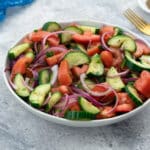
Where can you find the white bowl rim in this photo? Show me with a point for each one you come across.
(92, 123)
(142, 4)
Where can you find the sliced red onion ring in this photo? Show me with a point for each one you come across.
(88, 97)
(54, 33)
(25, 83)
(119, 74)
(54, 74)
(43, 52)
(35, 47)
(97, 94)
(34, 73)
(116, 103)
(12, 84)
(103, 41)
(126, 80)
(47, 100)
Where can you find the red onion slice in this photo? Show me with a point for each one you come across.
(12, 84)
(116, 103)
(54, 33)
(88, 97)
(35, 47)
(47, 100)
(97, 94)
(54, 74)
(119, 74)
(43, 52)
(103, 41)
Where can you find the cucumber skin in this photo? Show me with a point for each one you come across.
(11, 53)
(137, 102)
(79, 115)
(133, 66)
(81, 105)
(41, 76)
(36, 104)
(22, 88)
(47, 24)
(49, 106)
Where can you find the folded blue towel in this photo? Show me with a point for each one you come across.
(4, 4)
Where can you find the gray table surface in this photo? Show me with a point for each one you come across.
(21, 130)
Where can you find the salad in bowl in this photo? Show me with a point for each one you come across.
(80, 72)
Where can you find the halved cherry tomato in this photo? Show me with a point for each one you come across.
(143, 83)
(107, 58)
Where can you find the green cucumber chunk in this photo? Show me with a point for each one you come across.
(133, 94)
(51, 27)
(145, 60)
(89, 83)
(134, 65)
(79, 115)
(66, 37)
(94, 30)
(76, 58)
(44, 76)
(122, 41)
(21, 89)
(118, 31)
(96, 67)
(53, 100)
(87, 106)
(17, 50)
(39, 94)
(115, 82)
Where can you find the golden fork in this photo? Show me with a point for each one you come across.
(138, 21)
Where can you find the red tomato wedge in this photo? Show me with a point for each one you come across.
(142, 48)
(143, 83)
(64, 76)
(84, 39)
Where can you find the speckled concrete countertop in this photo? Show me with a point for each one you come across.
(21, 130)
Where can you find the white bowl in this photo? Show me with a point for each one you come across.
(63, 121)
(142, 4)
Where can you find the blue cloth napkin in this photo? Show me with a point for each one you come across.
(4, 4)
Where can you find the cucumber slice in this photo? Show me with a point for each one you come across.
(79, 47)
(124, 42)
(66, 37)
(44, 76)
(30, 55)
(115, 82)
(17, 50)
(134, 95)
(135, 65)
(76, 58)
(96, 67)
(21, 90)
(87, 106)
(51, 26)
(94, 30)
(38, 95)
(118, 31)
(88, 82)
(53, 100)
(145, 60)
(79, 115)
